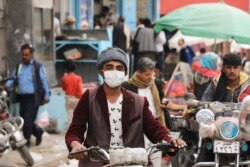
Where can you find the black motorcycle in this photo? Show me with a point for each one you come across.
(185, 126)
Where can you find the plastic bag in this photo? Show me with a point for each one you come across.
(42, 118)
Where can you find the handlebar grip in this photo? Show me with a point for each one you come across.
(70, 156)
(167, 149)
(77, 155)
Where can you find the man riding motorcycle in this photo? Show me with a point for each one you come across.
(232, 85)
(112, 116)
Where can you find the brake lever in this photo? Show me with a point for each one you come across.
(167, 149)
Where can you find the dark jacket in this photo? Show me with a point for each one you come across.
(119, 37)
(236, 95)
(39, 91)
(187, 55)
(159, 85)
(135, 122)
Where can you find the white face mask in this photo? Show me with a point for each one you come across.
(114, 78)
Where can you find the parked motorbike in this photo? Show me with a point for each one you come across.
(218, 122)
(125, 157)
(184, 126)
(11, 136)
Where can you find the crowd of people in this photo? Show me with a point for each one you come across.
(216, 78)
(126, 109)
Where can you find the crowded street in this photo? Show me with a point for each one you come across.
(112, 83)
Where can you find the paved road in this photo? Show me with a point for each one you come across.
(50, 153)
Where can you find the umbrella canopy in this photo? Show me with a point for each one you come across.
(191, 40)
(212, 20)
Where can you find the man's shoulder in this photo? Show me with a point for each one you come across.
(126, 83)
(216, 79)
(158, 81)
(37, 63)
(128, 92)
(129, 86)
(244, 81)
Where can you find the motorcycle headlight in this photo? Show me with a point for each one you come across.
(229, 130)
(205, 116)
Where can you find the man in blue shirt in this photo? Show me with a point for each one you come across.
(31, 89)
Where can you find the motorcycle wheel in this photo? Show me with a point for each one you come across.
(25, 154)
(184, 157)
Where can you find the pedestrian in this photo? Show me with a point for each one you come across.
(205, 73)
(172, 56)
(233, 85)
(171, 60)
(57, 27)
(139, 23)
(31, 89)
(112, 116)
(160, 54)
(144, 83)
(246, 66)
(72, 85)
(145, 41)
(103, 19)
(121, 35)
(202, 52)
(69, 23)
(186, 52)
(134, 45)
(196, 60)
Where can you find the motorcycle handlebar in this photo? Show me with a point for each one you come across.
(96, 153)
(197, 103)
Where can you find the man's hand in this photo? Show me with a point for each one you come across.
(77, 151)
(173, 106)
(178, 142)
